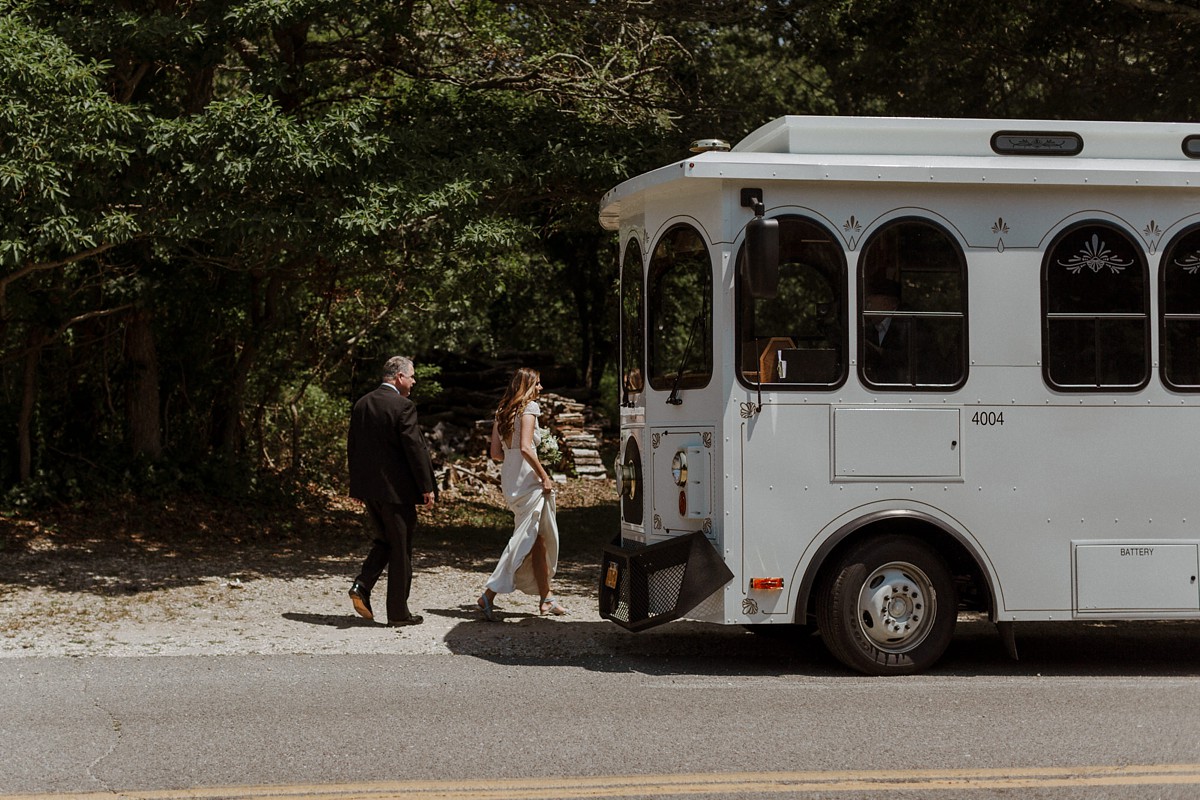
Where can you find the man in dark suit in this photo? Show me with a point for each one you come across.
(885, 339)
(391, 473)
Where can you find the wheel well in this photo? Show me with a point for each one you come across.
(970, 582)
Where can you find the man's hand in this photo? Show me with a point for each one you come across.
(428, 499)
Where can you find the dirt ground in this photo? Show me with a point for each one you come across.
(178, 577)
(199, 577)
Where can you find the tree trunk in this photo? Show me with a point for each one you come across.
(28, 400)
(228, 433)
(297, 456)
(141, 392)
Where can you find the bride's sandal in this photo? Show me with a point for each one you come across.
(486, 608)
(550, 605)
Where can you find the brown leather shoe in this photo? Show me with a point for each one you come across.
(362, 600)
(412, 619)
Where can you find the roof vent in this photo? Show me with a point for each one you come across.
(705, 145)
(1037, 143)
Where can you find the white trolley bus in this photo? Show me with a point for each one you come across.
(877, 371)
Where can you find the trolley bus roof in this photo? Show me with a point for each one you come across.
(945, 151)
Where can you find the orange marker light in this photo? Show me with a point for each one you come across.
(766, 583)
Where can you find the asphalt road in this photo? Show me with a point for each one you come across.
(1088, 711)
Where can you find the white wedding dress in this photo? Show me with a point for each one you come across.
(534, 514)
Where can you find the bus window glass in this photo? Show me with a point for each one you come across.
(799, 336)
(1097, 324)
(680, 311)
(632, 330)
(1180, 304)
(913, 296)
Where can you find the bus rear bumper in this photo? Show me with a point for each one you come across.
(642, 586)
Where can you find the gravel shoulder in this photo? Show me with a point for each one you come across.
(195, 577)
(185, 578)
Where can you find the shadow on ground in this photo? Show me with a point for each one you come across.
(1163, 649)
(124, 548)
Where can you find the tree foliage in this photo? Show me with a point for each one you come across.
(220, 215)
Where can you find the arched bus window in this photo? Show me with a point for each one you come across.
(912, 296)
(1095, 298)
(680, 311)
(799, 337)
(633, 336)
(1179, 305)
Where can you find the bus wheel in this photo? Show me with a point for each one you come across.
(887, 606)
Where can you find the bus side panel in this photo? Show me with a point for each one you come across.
(1037, 480)
(784, 479)
(1052, 475)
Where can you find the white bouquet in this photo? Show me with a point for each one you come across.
(547, 449)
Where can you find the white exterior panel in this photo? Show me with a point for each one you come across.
(1136, 575)
(1045, 488)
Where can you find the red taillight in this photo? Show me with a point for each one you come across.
(766, 583)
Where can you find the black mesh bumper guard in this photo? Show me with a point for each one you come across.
(645, 586)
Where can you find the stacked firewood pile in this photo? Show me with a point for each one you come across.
(578, 431)
(458, 424)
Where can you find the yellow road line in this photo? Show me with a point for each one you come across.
(618, 786)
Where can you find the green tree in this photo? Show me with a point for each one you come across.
(63, 145)
(1078, 59)
(218, 215)
(301, 174)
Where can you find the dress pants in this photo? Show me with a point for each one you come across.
(394, 524)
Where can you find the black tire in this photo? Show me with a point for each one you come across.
(886, 606)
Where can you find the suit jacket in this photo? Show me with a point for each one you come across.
(887, 361)
(389, 461)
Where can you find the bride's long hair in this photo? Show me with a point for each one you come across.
(522, 389)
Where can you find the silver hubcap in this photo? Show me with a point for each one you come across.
(896, 607)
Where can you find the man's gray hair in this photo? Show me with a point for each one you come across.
(397, 364)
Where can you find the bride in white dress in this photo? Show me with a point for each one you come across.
(531, 557)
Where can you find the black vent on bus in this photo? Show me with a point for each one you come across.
(1037, 143)
(1191, 146)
